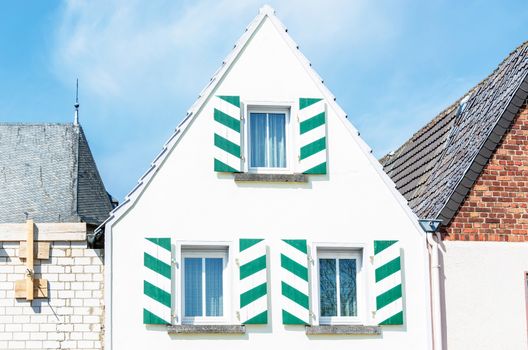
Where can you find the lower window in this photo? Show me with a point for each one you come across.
(203, 286)
(338, 286)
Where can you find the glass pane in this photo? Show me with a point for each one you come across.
(193, 286)
(277, 140)
(213, 287)
(257, 139)
(327, 280)
(347, 286)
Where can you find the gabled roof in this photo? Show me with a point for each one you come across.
(48, 172)
(438, 165)
(265, 12)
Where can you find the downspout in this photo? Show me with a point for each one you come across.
(436, 317)
(431, 226)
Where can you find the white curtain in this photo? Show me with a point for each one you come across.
(267, 138)
(277, 144)
(257, 136)
(193, 286)
(213, 287)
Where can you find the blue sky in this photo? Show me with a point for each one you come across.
(393, 65)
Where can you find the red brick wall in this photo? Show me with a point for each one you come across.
(496, 207)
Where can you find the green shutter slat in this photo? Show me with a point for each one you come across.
(312, 123)
(294, 267)
(261, 318)
(307, 102)
(234, 100)
(252, 267)
(251, 295)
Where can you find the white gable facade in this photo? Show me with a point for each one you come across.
(266, 222)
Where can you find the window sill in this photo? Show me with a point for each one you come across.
(343, 330)
(206, 329)
(254, 177)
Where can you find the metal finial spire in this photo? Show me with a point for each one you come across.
(76, 105)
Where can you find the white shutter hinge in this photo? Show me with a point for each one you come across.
(237, 262)
(371, 259)
(238, 315)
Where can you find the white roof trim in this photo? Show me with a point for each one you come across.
(265, 11)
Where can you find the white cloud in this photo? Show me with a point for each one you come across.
(140, 63)
(116, 47)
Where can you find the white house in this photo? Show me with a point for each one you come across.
(266, 222)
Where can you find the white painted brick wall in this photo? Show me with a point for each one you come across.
(72, 316)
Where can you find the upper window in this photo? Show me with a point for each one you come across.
(203, 285)
(338, 286)
(268, 139)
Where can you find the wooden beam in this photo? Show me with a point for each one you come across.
(40, 288)
(29, 259)
(42, 250)
(75, 231)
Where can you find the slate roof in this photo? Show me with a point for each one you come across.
(438, 165)
(48, 172)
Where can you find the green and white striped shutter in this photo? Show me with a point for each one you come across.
(227, 125)
(294, 282)
(157, 281)
(312, 131)
(388, 288)
(253, 282)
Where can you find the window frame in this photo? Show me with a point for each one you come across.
(204, 249)
(269, 107)
(336, 251)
